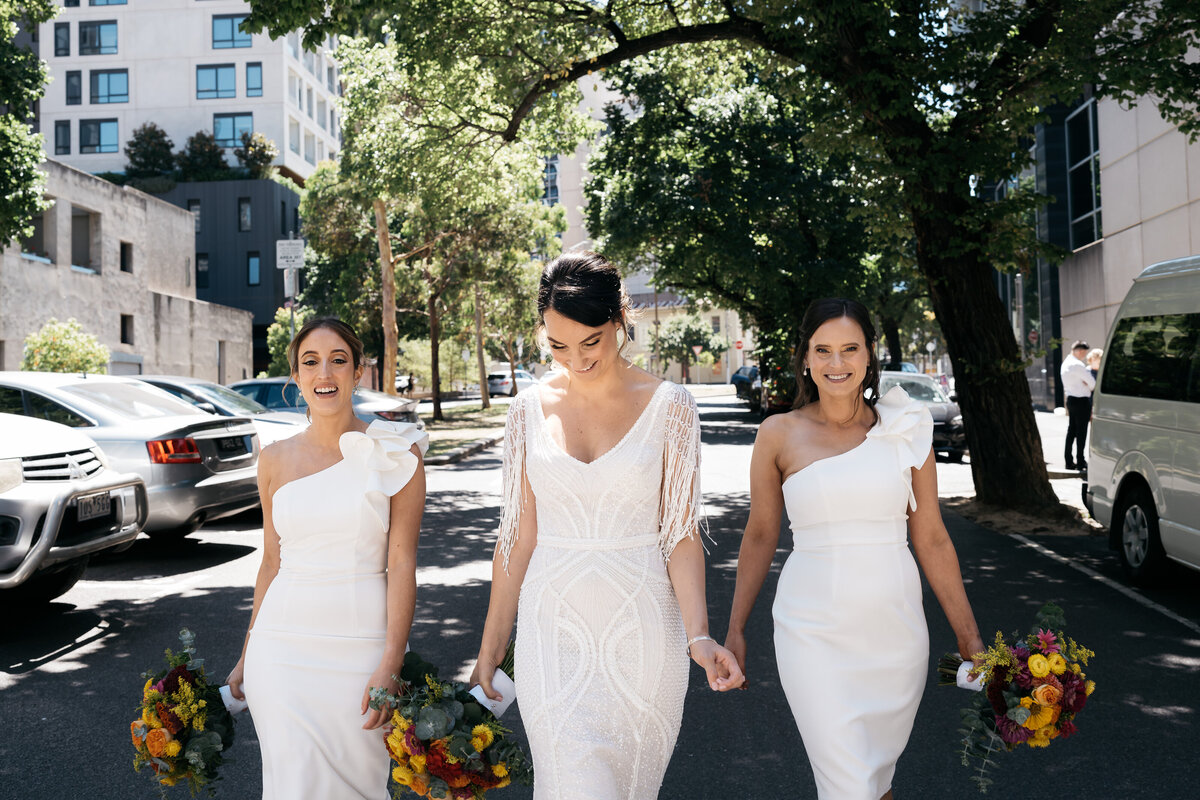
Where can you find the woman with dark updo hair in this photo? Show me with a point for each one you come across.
(599, 552)
(856, 473)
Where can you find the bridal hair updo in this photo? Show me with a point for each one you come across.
(586, 288)
(819, 312)
(334, 324)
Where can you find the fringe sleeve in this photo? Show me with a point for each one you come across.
(679, 505)
(513, 491)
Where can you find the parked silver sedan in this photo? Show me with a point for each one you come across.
(272, 426)
(282, 394)
(59, 504)
(196, 467)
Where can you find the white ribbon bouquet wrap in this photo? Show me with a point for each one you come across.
(502, 684)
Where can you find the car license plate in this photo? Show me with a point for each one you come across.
(92, 506)
(231, 445)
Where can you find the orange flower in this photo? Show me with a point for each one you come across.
(136, 729)
(458, 782)
(419, 786)
(1047, 694)
(156, 741)
(169, 720)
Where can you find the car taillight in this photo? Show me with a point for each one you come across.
(174, 451)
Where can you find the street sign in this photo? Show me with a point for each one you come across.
(696, 348)
(739, 344)
(289, 253)
(289, 282)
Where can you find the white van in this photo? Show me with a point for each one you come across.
(1144, 462)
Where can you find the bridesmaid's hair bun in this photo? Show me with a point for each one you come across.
(583, 287)
(334, 324)
(819, 312)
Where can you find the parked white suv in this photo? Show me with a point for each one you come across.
(59, 504)
(1144, 460)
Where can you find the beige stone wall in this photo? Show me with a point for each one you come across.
(1150, 190)
(731, 328)
(171, 331)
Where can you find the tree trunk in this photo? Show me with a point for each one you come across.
(483, 386)
(435, 335)
(891, 335)
(1007, 463)
(387, 287)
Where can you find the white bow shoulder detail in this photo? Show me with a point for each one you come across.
(908, 425)
(385, 451)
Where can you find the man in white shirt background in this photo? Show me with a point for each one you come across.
(1077, 383)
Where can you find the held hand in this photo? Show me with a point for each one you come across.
(720, 665)
(235, 679)
(735, 642)
(485, 668)
(380, 678)
(970, 647)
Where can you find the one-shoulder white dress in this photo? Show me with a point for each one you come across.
(601, 670)
(320, 630)
(850, 634)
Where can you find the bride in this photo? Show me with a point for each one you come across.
(599, 553)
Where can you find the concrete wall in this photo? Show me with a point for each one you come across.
(1150, 185)
(169, 330)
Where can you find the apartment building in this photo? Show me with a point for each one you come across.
(185, 66)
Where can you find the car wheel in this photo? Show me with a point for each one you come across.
(1135, 528)
(47, 586)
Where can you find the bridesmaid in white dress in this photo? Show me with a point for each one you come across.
(599, 553)
(857, 475)
(334, 599)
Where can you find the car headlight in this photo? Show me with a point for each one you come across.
(11, 473)
(956, 421)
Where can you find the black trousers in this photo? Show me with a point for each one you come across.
(1079, 413)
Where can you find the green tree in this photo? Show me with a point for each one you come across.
(64, 347)
(279, 336)
(678, 338)
(149, 152)
(257, 155)
(924, 94)
(22, 183)
(202, 159)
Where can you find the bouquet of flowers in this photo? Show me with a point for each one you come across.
(444, 742)
(182, 725)
(1032, 691)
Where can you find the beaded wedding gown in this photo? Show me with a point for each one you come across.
(850, 634)
(320, 630)
(601, 670)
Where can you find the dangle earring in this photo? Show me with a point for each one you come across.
(806, 369)
(868, 394)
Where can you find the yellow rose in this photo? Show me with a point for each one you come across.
(173, 748)
(1058, 664)
(402, 775)
(1039, 667)
(1047, 695)
(1089, 687)
(418, 764)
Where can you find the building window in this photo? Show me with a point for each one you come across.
(97, 38)
(1083, 175)
(254, 80)
(716, 324)
(106, 2)
(126, 257)
(294, 136)
(194, 207)
(309, 61)
(329, 78)
(62, 137)
(201, 270)
(282, 217)
(62, 38)
(70, 3)
(321, 113)
(225, 32)
(109, 85)
(309, 95)
(550, 181)
(127, 329)
(310, 148)
(293, 44)
(243, 214)
(216, 80)
(98, 136)
(74, 86)
(332, 122)
(253, 276)
(228, 128)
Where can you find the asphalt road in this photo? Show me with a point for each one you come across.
(69, 676)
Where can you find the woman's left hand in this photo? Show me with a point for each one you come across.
(970, 647)
(380, 678)
(719, 664)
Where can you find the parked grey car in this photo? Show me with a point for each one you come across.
(949, 435)
(282, 394)
(59, 504)
(272, 426)
(196, 467)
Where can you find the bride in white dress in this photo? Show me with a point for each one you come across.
(334, 599)
(856, 473)
(599, 554)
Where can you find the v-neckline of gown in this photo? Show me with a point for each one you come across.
(537, 397)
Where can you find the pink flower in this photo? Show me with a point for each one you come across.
(1011, 732)
(1047, 641)
(414, 745)
(1067, 729)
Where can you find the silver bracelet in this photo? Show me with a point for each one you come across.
(695, 639)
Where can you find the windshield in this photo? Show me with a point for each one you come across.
(228, 398)
(919, 390)
(134, 400)
(372, 394)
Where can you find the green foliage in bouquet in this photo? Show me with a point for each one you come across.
(183, 727)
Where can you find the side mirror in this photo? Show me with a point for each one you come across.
(206, 406)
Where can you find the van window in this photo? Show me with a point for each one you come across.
(1154, 358)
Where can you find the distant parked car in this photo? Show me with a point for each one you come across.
(272, 426)
(743, 382)
(949, 436)
(60, 503)
(502, 383)
(776, 391)
(282, 394)
(196, 467)
(903, 366)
